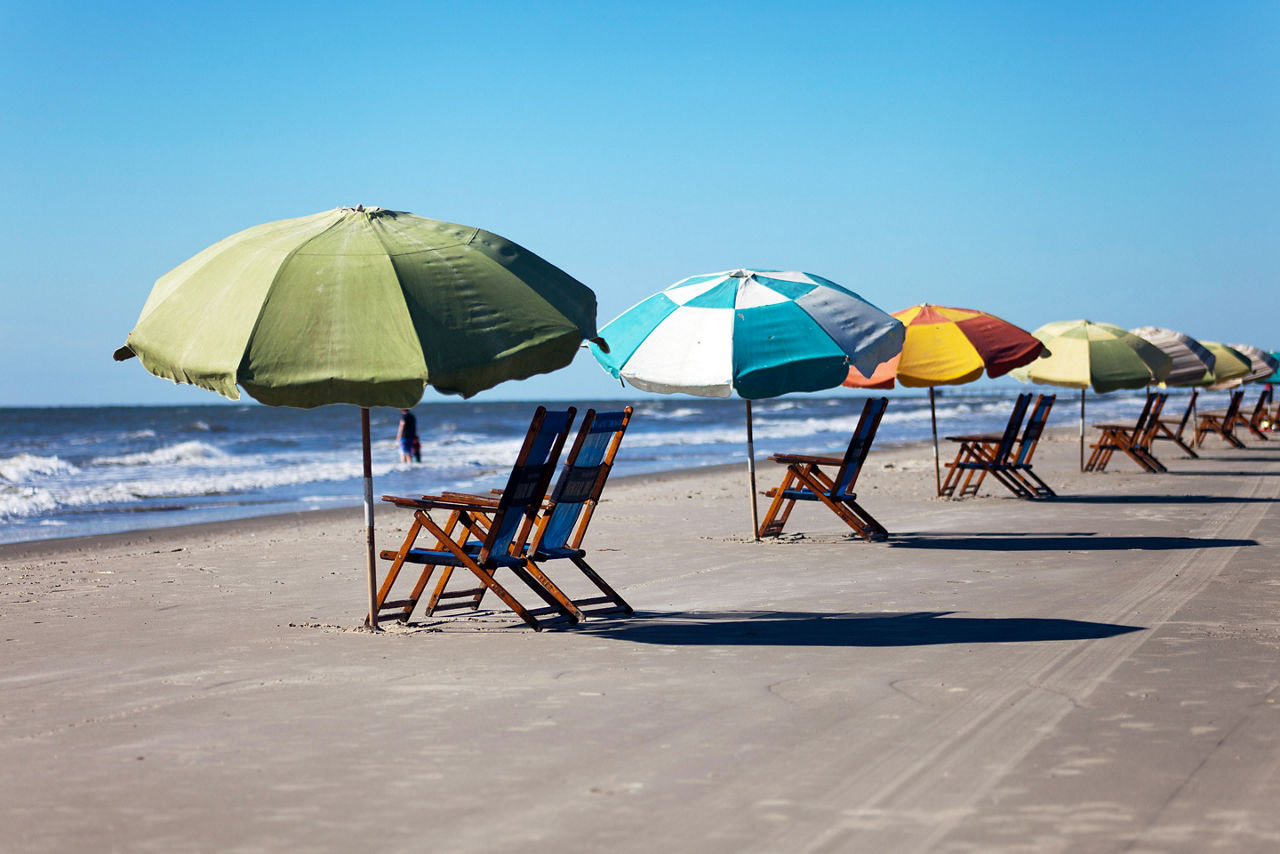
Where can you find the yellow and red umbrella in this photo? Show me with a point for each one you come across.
(950, 346)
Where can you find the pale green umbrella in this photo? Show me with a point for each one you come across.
(1083, 354)
(362, 306)
(1230, 366)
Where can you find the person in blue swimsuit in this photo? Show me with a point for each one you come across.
(407, 436)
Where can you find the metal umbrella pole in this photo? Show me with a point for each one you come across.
(372, 622)
(751, 477)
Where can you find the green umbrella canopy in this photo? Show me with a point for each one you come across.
(1230, 366)
(1083, 354)
(360, 306)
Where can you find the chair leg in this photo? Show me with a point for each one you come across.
(485, 576)
(775, 518)
(607, 590)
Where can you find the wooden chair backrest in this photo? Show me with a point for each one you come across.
(1233, 409)
(1260, 410)
(527, 485)
(1035, 426)
(1186, 414)
(1141, 424)
(582, 479)
(1011, 429)
(856, 454)
(1145, 430)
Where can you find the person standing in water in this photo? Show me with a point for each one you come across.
(407, 436)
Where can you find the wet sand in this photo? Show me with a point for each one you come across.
(1096, 673)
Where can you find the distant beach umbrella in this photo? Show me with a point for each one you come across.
(1230, 366)
(1261, 363)
(1083, 354)
(950, 346)
(1191, 361)
(361, 306)
(754, 333)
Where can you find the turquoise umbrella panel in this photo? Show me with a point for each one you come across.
(781, 348)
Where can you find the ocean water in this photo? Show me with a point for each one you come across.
(72, 471)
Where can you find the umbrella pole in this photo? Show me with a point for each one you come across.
(372, 620)
(933, 418)
(751, 477)
(1082, 391)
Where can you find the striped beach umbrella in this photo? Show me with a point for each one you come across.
(1191, 361)
(1261, 363)
(753, 333)
(950, 346)
(1083, 354)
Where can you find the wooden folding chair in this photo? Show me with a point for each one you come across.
(1260, 420)
(1222, 422)
(1134, 442)
(1174, 434)
(564, 520)
(987, 453)
(805, 480)
(482, 535)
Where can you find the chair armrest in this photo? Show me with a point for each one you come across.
(805, 458)
(437, 502)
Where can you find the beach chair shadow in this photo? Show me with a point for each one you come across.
(1134, 442)
(805, 479)
(1221, 423)
(482, 534)
(1058, 542)
(986, 453)
(787, 628)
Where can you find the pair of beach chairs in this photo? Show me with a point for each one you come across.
(518, 528)
(1134, 440)
(994, 454)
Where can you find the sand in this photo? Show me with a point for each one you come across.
(1096, 673)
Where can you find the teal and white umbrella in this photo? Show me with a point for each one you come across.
(754, 333)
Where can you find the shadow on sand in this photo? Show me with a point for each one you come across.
(1058, 542)
(791, 628)
(1159, 499)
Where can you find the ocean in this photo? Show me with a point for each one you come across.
(72, 471)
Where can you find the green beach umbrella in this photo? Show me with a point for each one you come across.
(1230, 366)
(1101, 356)
(361, 306)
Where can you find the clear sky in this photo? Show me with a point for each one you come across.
(1115, 161)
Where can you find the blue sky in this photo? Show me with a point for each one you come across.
(1116, 161)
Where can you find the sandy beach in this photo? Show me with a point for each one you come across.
(1093, 673)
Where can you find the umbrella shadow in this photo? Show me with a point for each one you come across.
(1159, 499)
(798, 628)
(1081, 541)
(1240, 473)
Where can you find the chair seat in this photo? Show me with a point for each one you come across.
(558, 553)
(810, 495)
(432, 557)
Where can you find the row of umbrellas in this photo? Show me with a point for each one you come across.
(368, 306)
